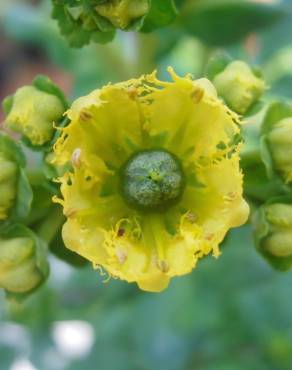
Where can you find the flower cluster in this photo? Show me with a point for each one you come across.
(82, 21)
(266, 160)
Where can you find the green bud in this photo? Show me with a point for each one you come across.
(276, 141)
(239, 86)
(33, 110)
(280, 143)
(273, 232)
(23, 264)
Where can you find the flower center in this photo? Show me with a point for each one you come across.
(152, 180)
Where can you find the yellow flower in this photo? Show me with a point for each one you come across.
(122, 12)
(155, 182)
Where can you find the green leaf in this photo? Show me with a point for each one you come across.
(224, 22)
(266, 157)
(24, 197)
(276, 112)
(7, 104)
(12, 149)
(161, 14)
(80, 32)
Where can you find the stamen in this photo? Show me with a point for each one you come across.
(75, 158)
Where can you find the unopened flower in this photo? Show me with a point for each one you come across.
(280, 143)
(155, 183)
(23, 264)
(276, 141)
(273, 232)
(33, 113)
(238, 85)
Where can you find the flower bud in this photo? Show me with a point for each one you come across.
(33, 113)
(23, 265)
(238, 85)
(121, 13)
(8, 177)
(273, 232)
(280, 143)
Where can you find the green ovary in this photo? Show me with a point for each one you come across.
(152, 180)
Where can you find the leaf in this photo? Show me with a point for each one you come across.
(12, 149)
(162, 13)
(79, 32)
(7, 104)
(276, 112)
(24, 193)
(224, 22)
(24, 197)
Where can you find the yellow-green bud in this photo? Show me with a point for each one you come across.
(273, 232)
(33, 113)
(8, 180)
(239, 86)
(121, 13)
(21, 270)
(280, 144)
(279, 242)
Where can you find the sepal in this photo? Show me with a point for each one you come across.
(16, 205)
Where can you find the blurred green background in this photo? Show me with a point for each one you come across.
(233, 313)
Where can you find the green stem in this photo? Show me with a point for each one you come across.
(51, 225)
(251, 151)
(35, 176)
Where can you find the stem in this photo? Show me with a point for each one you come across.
(251, 151)
(51, 224)
(35, 176)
